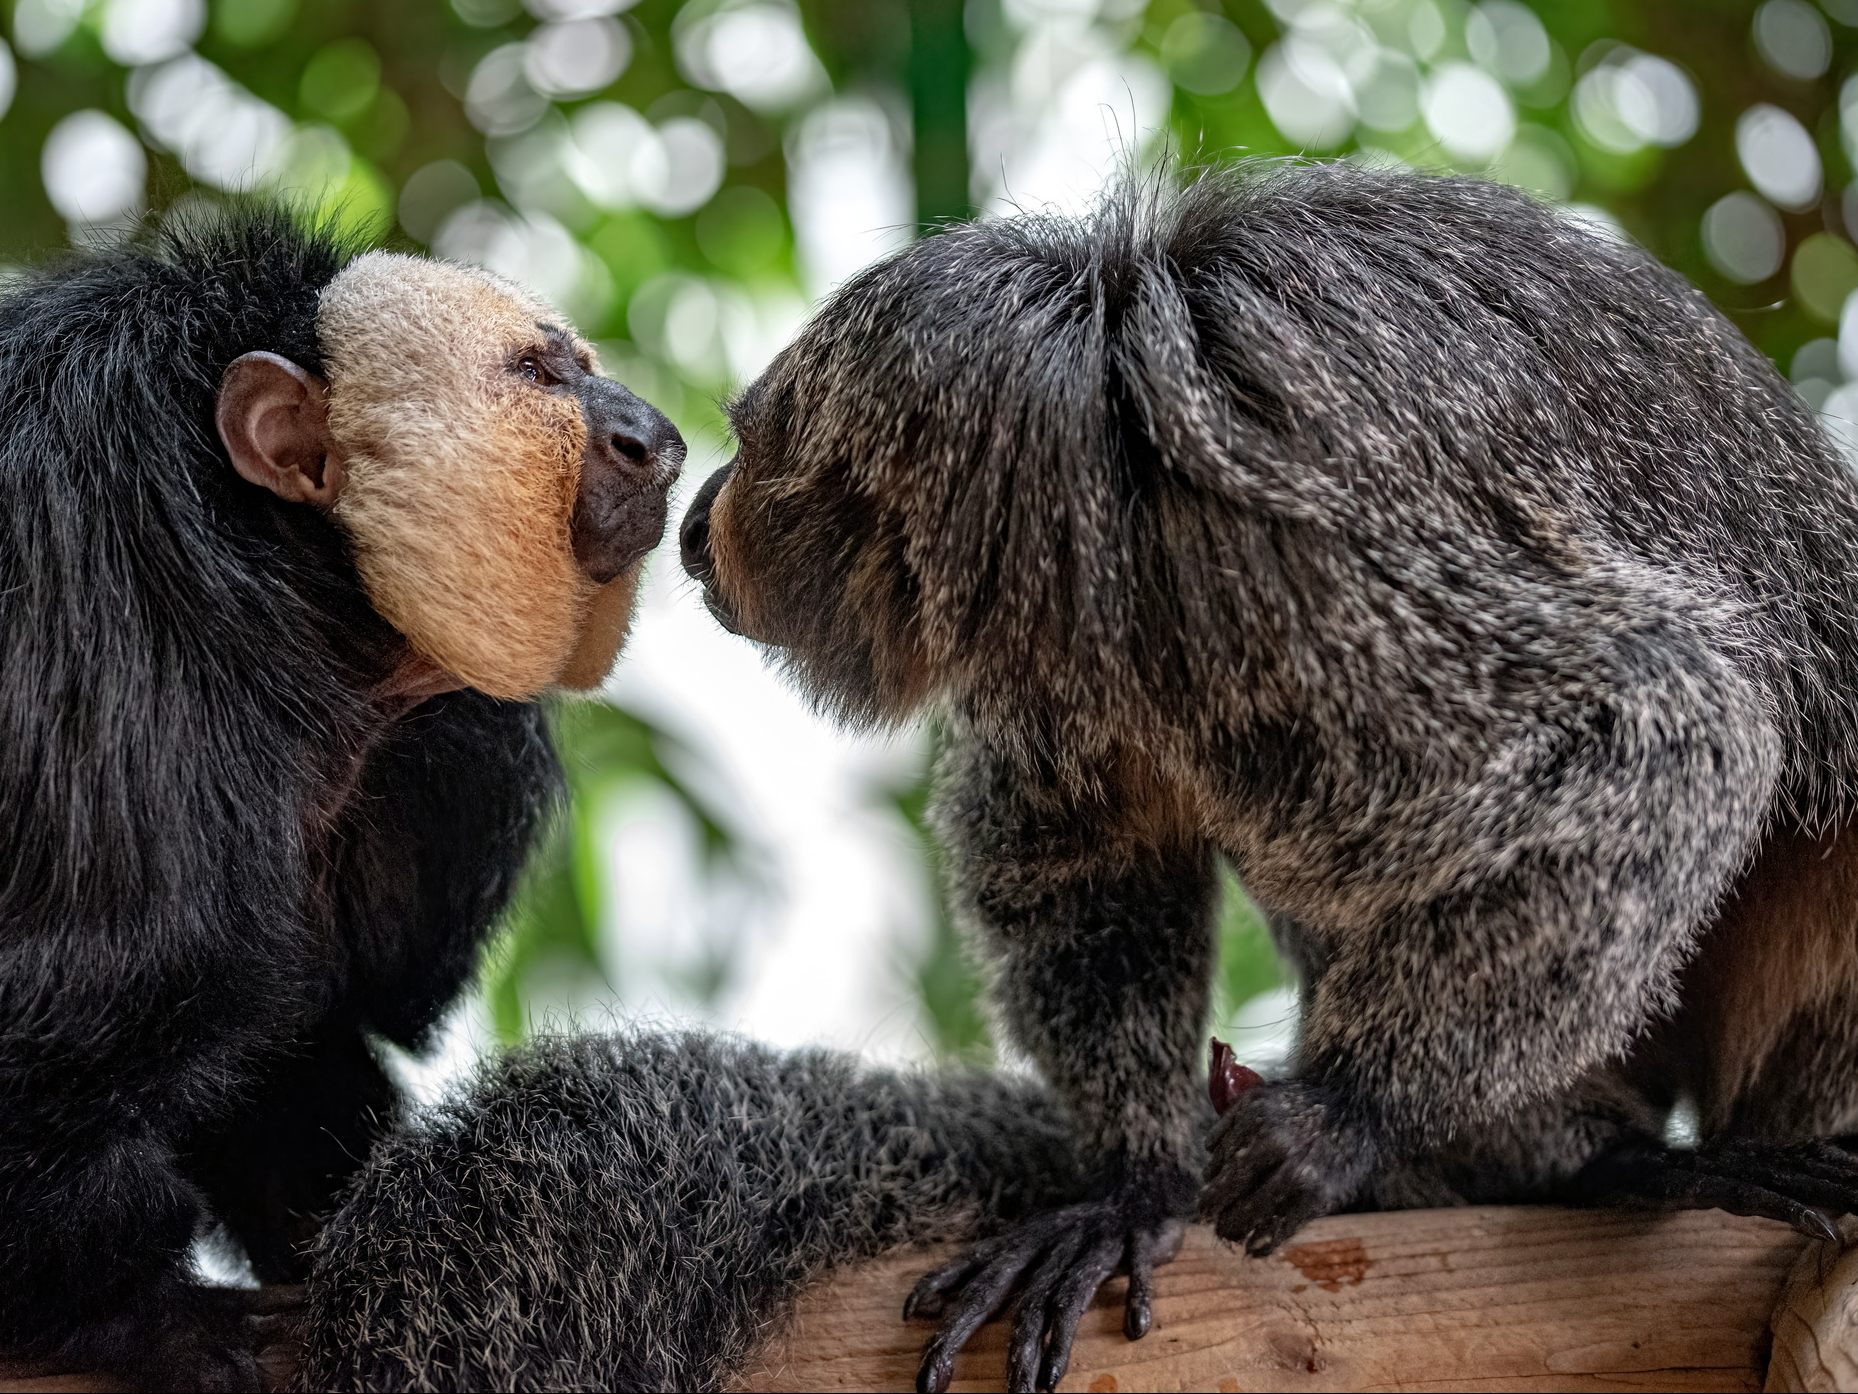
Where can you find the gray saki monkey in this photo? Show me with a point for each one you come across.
(1452, 568)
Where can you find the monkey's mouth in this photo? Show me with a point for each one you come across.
(610, 540)
(722, 614)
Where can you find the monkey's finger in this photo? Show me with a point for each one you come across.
(1837, 1197)
(978, 1300)
(1827, 1160)
(1147, 1251)
(1277, 1209)
(1232, 1132)
(1029, 1322)
(1270, 1233)
(1089, 1273)
(926, 1299)
(1228, 1200)
(1817, 1173)
(1241, 1167)
(1738, 1198)
(1684, 1186)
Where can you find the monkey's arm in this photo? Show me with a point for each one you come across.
(1101, 957)
(447, 812)
(1567, 884)
(428, 856)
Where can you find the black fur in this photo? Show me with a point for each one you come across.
(221, 862)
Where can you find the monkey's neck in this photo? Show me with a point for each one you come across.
(411, 680)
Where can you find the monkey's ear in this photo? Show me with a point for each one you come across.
(274, 421)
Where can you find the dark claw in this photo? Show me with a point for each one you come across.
(1050, 1269)
(1795, 1183)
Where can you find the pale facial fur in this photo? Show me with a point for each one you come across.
(462, 478)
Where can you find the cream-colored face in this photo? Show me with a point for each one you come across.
(462, 477)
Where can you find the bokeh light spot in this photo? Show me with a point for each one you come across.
(1306, 94)
(577, 9)
(486, 14)
(1508, 39)
(39, 26)
(755, 50)
(9, 77)
(1743, 238)
(571, 57)
(147, 31)
(499, 98)
(1825, 272)
(1794, 38)
(1387, 96)
(94, 170)
(431, 193)
(1469, 112)
(1205, 54)
(1778, 155)
(1631, 99)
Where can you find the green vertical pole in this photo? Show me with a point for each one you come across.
(940, 64)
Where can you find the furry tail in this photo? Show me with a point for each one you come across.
(634, 1211)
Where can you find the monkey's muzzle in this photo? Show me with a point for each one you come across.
(633, 458)
(693, 541)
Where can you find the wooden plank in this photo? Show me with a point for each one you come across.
(1472, 1299)
(1816, 1321)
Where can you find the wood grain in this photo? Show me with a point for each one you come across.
(1816, 1321)
(1474, 1299)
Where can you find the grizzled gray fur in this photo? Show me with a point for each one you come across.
(1454, 569)
(633, 1212)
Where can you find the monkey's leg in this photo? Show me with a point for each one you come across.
(1766, 1040)
(1580, 864)
(1102, 957)
(273, 1174)
(1535, 1156)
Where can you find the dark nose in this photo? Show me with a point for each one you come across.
(632, 458)
(638, 438)
(693, 536)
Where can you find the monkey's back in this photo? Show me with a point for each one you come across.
(1470, 381)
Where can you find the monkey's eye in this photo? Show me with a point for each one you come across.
(531, 368)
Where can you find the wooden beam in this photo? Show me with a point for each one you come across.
(1816, 1322)
(1473, 1299)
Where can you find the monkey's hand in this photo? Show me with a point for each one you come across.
(1798, 1183)
(179, 1335)
(1286, 1153)
(1049, 1268)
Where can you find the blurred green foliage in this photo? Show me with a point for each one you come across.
(642, 161)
